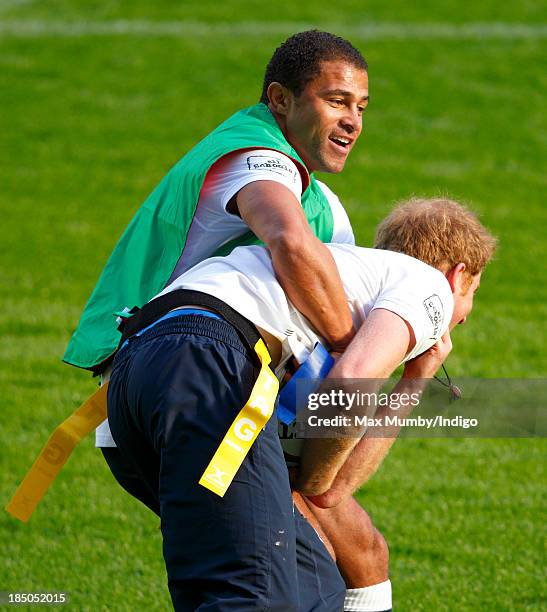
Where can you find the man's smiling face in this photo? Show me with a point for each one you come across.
(325, 120)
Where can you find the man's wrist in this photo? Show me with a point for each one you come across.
(410, 385)
(340, 345)
(411, 371)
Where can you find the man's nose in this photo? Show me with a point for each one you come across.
(352, 121)
(462, 321)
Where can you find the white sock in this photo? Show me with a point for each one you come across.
(375, 598)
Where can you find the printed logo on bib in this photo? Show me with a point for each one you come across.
(265, 163)
(435, 312)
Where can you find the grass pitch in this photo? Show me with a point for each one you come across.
(98, 100)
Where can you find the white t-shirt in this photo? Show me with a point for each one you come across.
(213, 226)
(371, 278)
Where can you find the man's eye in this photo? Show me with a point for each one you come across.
(336, 102)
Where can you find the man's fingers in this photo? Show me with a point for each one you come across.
(446, 338)
(446, 342)
(426, 364)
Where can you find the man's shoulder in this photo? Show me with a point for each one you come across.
(254, 121)
(417, 283)
(417, 292)
(246, 130)
(397, 269)
(404, 262)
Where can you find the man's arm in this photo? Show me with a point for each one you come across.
(367, 455)
(379, 346)
(369, 452)
(303, 265)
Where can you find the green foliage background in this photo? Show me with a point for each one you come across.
(92, 115)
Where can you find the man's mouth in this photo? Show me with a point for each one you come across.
(341, 142)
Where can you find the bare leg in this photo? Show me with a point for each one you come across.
(301, 503)
(360, 550)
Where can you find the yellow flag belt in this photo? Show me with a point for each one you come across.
(244, 430)
(218, 475)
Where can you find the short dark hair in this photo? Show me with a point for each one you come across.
(298, 60)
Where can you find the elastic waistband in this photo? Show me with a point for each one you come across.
(140, 318)
(213, 327)
(178, 312)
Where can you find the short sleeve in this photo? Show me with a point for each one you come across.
(239, 169)
(424, 300)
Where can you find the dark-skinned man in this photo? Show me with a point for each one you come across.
(249, 181)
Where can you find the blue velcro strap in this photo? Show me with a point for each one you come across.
(308, 377)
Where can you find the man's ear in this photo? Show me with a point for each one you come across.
(280, 98)
(457, 277)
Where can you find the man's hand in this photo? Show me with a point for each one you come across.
(427, 364)
(379, 346)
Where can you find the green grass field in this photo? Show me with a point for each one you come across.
(98, 100)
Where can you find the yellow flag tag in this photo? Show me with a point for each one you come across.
(233, 449)
(218, 475)
(56, 451)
